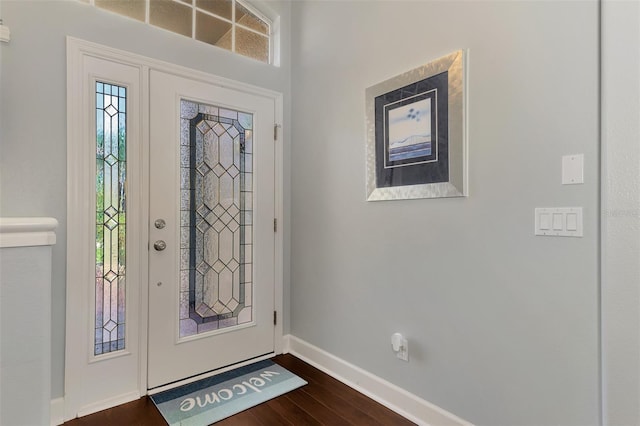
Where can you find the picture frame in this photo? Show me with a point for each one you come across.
(417, 133)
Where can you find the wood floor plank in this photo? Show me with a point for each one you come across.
(339, 389)
(255, 415)
(347, 411)
(294, 414)
(324, 401)
(268, 416)
(320, 412)
(141, 412)
(244, 418)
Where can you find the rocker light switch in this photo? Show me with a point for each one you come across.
(572, 222)
(545, 221)
(559, 221)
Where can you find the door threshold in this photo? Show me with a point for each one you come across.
(211, 373)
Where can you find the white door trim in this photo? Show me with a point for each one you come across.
(78, 185)
(82, 368)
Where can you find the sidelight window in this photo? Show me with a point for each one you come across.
(111, 160)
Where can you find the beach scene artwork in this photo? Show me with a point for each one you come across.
(410, 131)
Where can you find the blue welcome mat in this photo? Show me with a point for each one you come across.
(215, 398)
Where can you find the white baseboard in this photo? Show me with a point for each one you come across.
(57, 407)
(391, 396)
(57, 411)
(107, 403)
(286, 343)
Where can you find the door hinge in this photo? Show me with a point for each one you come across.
(275, 317)
(275, 225)
(275, 132)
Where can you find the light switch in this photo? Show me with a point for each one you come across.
(558, 221)
(545, 221)
(573, 169)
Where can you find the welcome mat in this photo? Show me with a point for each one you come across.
(215, 398)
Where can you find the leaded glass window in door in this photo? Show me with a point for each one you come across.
(111, 161)
(216, 218)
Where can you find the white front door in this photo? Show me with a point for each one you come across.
(211, 261)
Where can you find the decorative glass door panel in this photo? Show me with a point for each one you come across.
(111, 150)
(211, 206)
(215, 217)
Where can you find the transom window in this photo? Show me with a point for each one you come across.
(230, 24)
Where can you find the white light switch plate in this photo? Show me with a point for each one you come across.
(559, 221)
(573, 169)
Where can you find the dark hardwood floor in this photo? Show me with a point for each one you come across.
(324, 401)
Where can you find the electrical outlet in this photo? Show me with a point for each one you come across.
(400, 346)
(403, 353)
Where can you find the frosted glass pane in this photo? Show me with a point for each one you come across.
(216, 248)
(132, 8)
(225, 41)
(218, 7)
(246, 120)
(188, 109)
(226, 150)
(171, 16)
(210, 149)
(228, 113)
(246, 18)
(226, 193)
(252, 45)
(212, 30)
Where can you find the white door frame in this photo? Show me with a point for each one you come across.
(79, 193)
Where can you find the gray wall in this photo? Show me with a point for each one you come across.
(33, 104)
(502, 325)
(25, 370)
(621, 212)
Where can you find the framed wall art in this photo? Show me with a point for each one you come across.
(416, 133)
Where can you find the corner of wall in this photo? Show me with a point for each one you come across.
(57, 411)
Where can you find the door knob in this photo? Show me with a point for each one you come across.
(159, 245)
(160, 223)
